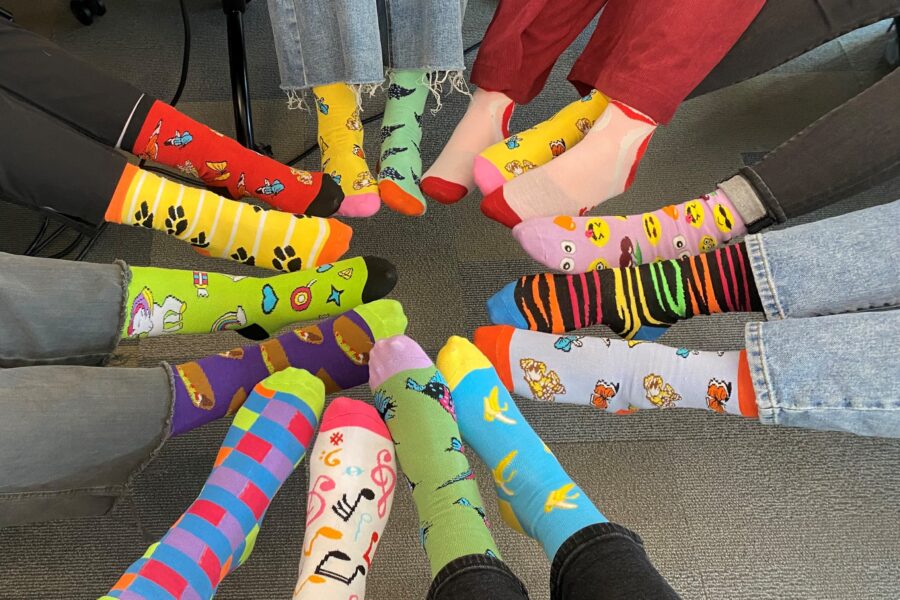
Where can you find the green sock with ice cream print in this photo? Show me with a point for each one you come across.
(166, 301)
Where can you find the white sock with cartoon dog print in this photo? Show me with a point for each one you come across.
(616, 375)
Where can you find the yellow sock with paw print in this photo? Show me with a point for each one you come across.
(341, 146)
(216, 226)
(539, 145)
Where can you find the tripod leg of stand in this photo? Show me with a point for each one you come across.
(237, 64)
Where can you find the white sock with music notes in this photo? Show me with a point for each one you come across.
(352, 476)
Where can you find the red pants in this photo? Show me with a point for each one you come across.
(649, 54)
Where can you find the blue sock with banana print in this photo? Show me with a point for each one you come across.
(536, 496)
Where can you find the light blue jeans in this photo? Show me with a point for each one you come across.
(326, 41)
(827, 357)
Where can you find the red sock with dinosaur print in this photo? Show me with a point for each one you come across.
(174, 139)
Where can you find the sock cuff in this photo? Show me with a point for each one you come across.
(347, 412)
(385, 318)
(746, 393)
(117, 202)
(494, 342)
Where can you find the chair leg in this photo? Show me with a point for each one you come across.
(237, 64)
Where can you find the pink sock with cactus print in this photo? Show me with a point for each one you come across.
(581, 244)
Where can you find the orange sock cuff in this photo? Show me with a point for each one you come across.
(114, 209)
(494, 341)
(746, 393)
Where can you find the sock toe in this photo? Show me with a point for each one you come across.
(445, 192)
(381, 277)
(487, 176)
(502, 309)
(393, 355)
(648, 333)
(494, 206)
(360, 205)
(328, 200)
(385, 318)
(347, 412)
(399, 200)
(338, 242)
(493, 341)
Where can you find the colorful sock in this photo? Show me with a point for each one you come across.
(582, 244)
(163, 301)
(659, 293)
(341, 146)
(486, 122)
(400, 166)
(534, 147)
(603, 165)
(215, 226)
(216, 534)
(351, 491)
(536, 496)
(617, 376)
(414, 401)
(335, 350)
(173, 138)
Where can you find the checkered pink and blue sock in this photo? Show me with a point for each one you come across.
(216, 534)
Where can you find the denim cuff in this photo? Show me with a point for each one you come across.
(756, 359)
(762, 275)
(474, 562)
(581, 540)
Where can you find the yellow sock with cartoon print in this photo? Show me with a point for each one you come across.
(534, 147)
(341, 146)
(224, 228)
(165, 301)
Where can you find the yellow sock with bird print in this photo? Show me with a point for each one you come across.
(536, 496)
(341, 146)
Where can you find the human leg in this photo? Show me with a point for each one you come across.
(349, 501)
(836, 372)
(59, 312)
(118, 115)
(216, 534)
(75, 437)
(784, 30)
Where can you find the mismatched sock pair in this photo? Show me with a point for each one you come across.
(399, 164)
(432, 414)
(583, 155)
(352, 481)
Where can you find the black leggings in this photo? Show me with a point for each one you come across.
(853, 147)
(61, 121)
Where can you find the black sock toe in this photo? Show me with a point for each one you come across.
(253, 332)
(381, 278)
(328, 200)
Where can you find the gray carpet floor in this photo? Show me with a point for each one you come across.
(727, 508)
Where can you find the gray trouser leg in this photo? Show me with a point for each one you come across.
(58, 311)
(72, 438)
